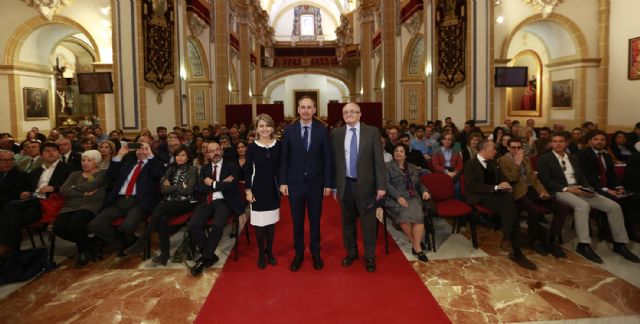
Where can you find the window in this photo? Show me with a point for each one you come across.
(307, 25)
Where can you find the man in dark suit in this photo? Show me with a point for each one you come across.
(597, 165)
(12, 180)
(562, 175)
(218, 181)
(69, 156)
(42, 182)
(360, 180)
(135, 192)
(305, 176)
(485, 185)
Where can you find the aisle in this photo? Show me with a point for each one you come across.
(245, 294)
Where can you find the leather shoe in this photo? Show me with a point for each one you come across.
(370, 264)
(538, 247)
(271, 259)
(622, 249)
(422, 256)
(317, 262)
(136, 248)
(586, 251)
(262, 262)
(348, 260)
(203, 263)
(296, 263)
(557, 251)
(522, 261)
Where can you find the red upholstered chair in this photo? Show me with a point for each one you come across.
(50, 208)
(442, 192)
(534, 162)
(235, 221)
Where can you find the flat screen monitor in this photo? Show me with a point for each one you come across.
(515, 76)
(95, 82)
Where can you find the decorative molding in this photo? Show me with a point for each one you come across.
(545, 6)
(48, 8)
(413, 24)
(344, 34)
(196, 24)
(591, 61)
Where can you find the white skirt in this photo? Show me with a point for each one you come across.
(264, 218)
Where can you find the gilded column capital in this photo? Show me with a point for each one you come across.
(48, 8)
(368, 10)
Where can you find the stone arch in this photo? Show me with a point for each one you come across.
(286, 73)
(410, 56)
(201, 54)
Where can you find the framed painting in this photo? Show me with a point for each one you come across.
(634, 59)
(526, 101)
(562, 94)
(36, 103)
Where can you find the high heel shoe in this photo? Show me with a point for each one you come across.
(262, 262)
(271, 259)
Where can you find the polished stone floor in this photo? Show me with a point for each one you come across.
(472, 286)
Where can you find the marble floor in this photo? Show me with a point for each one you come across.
(471, 285)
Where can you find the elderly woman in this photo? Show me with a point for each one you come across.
(178, 185)
(84, 193)
(407, 199)
(107, 149)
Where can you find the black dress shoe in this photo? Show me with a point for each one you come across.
(160, 259)
(348, 260)
(203, 263)
(586, 251)
(136, 248)
(622, 249)
(522, 261)
(557, 251)
(413, 251)
(81, 260)
(296, 263)
(538, 247)
(422, 256)
(370, 264)
(271, 259)
(317, 262)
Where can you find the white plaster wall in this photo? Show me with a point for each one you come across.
(327, 91)
(624, 94)
(456, 110)
(5, 113)
(162, 114)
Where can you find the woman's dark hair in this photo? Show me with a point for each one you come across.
(495, 133)
(406, 149)
(182, 148)
(243, 142)
(615, 135)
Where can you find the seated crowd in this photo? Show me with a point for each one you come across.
(110, 184)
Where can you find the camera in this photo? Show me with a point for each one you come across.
(133, 146)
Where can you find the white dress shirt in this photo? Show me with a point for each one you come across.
(44, 179)
(216, 194)
(569, 172)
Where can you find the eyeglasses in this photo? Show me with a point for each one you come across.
(515, 147)
(564, 165)
(350, 112)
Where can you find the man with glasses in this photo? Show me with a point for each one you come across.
(360, 179)
(528, 193)
(562, 175)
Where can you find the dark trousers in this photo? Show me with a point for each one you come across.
(503, 204)
(349, 208)
(529, 203)
(72, 226)
(15, 216)
(631, 209)
(120, 236)
(302, 199)
(220, 211)
(160, 220)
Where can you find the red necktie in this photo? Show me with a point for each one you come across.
(132, 181)
(214, 174)
(603, 171)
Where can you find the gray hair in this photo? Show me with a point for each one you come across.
(93, 154)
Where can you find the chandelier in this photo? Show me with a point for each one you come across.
(545, 6)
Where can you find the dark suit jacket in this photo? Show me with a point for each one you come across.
(589, 165)
(551, 175)
(13, 183)
(476, 185)
(298, 167)
(370, 164)
(75, 160)
(147, 184)
(632, 173)
(230, 190)
(59, 176)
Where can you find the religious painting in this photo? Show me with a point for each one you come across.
(526, 101)
(562, 94)
(451, 21)
(36, 103)
(634, 59)
(158, 22)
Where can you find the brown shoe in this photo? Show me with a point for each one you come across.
(522, 261)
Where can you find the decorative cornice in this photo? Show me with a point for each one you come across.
(545, 6)
(48, 8)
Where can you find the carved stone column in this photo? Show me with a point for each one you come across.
(367, 17)
(221, 58)
(389, 57)
(245, 55)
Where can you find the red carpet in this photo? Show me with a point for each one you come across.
(245, 294)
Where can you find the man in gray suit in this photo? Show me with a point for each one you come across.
(360, 180)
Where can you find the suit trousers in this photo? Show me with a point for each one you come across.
(220, 211)
(15, 216)
(530, 203)
(582, 207)
(301, 200)
(503, 204)
(123, 234)
(349, 208)
(72, 226)
(160, 220)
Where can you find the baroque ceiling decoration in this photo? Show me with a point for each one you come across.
(48, 8)
(545, 6)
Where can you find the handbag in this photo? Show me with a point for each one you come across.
(50, 207)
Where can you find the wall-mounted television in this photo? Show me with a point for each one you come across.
(515, 76)
(95, 82)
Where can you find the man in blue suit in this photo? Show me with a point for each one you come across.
(305, 176)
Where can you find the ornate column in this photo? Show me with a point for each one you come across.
(221, 58)
(389, 57)
(604, 14)
(245, 54)
(367, 17)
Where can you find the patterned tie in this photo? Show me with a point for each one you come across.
(214, 175)
(132, 182)
(305, 138)
(353, 155)
(603, 170)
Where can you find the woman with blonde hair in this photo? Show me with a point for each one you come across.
(262, 163)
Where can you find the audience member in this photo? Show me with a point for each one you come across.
(107, 150)
(447, 160)
(621, 150)
(392, 133)
(241, 153)
(12, 180)
(634, 136)
(67, 155)
(470, 151)
(424, 142)
(561, 174)
(414, 157)
(32, 160)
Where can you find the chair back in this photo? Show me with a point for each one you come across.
(534, 162)
(440, 185)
